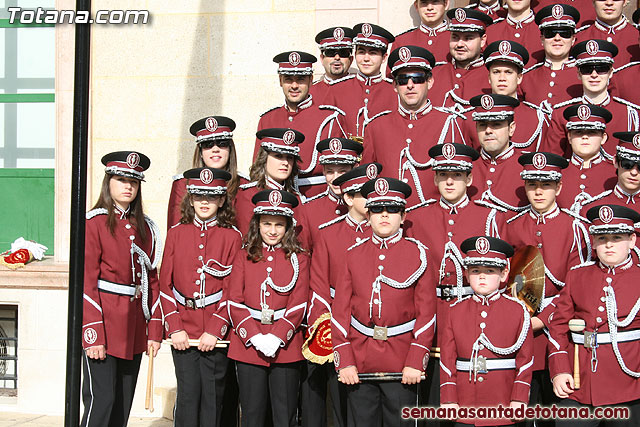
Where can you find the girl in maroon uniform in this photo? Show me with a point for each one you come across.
(120, 292)
(267, 301)
(214, 149)
(197, 258)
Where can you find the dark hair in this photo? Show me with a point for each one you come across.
(226, 215)
(136, 211)
(231, 167)
(253, 240)
(258, 172)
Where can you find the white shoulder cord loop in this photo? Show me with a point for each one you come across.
(146, 265)
(484, 340)
(452, 252)
(282, 289)
(394, 283)
(614, 324)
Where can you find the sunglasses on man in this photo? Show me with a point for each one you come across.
(587, 69)
(628, 164)
(389, 209)
(222, 143)
(417, 78)
(342, 53)
(549, 33)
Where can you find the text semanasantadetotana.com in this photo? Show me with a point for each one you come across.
(524, 412)
(19, 15)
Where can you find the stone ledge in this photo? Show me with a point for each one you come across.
(45, 274)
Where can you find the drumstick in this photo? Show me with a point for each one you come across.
(148, 403)
(577, 326)
(195, 343)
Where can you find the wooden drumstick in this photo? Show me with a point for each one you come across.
(148, 402)
(577, 326)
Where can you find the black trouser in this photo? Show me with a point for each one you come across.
(429, 393)
(379, 404)
(107, 390)
(316, 380)
(632, 421)
(541, 394)
(280, 382)
(201, 379)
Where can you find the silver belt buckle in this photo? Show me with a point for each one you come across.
(481, 365)
(380, 333)
(590, 339)
(266, 316)
(136, 293)
(190, 304)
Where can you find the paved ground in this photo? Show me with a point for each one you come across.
(9, 419)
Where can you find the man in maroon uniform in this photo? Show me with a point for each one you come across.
(301, 112)
(327, 267)
(383, 316)
(520, 26)
(403, 137)
(432, 32)
(604, 297)
(611, 25)
(336, 56)
(337, 156)
(464, 75)
(627, 162)
(492, 8)
(589, 173)
(558, 235)
(364, 95)
(594, 59)
(505, 59)
(554, 80)
(498, 163)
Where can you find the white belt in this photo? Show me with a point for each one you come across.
(199, 302)
(492, 364)
(453, 291)
(391, 330)
(257, 314)
(116, 288)
(605, 337)
(332, 292)
(312, 180)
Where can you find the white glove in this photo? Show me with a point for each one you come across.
(258, 341)
(36, 249)
(272, 344)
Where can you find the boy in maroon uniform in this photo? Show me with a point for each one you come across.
(486, 355)
(603, 295)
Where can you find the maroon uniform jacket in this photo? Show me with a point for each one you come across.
(555, 234)
(435, 40)
(197, 259)
(405, 305)
(505, 322)
(362, 98)
(289, 306)
(495, 11)
(400, 142)
(458, 85)
(525, 32)
(540, 83)
(625, 118)
(442, 227)
(580, 184)
(319, 209)
(624, 83)
(623, 35)
(178, 191)
(328, 261)
(112, 315)
(499, 180)
(316, 122)
(591, 292)
(531, 121)
(616, 196)
(321, 91)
